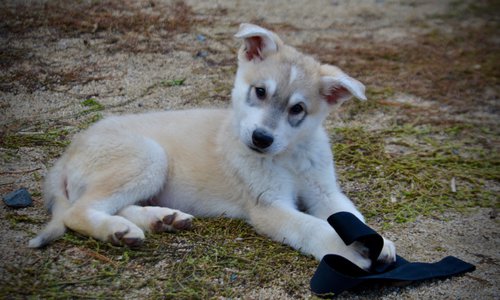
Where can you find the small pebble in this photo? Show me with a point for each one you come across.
(18, 199)
(201, 38)
(202, 54)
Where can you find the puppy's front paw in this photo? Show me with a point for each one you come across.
(388, 253)
(359, 255)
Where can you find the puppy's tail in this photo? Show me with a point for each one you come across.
(56, 201)
(54, 229)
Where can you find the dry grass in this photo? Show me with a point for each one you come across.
(226, 258)
(457, 73)
(80, 17)
(453, 69)
(38, 75)
(117, 26)
(219, 258)
(459, 68)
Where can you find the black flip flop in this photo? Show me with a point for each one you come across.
(336, 274)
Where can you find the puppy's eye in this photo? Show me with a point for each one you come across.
(297, 109)
(260, 93)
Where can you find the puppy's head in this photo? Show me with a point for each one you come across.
(280, 95)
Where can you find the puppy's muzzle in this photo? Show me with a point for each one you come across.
(261, 140)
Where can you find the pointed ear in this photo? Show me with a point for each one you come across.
(337, 87)
(258, 42)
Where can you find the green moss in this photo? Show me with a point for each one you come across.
(50, 138)
(8, 154)
(92, 105)
(163, 83)
(36, 193)
(17, 218)
(400, 187)
(173, 82)
(379, 93)
(90, 120)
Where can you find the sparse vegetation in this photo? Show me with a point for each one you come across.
(220, 257)
(398, 160)
(125, 26)
(173, 82)
(92, 105)
(100, 18)
(398, 187)
(50, 138)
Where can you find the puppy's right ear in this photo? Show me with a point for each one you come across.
(258, 42)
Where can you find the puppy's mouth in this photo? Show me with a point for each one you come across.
(258, 150)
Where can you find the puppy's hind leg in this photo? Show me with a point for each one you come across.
(103, 171)
(96, 221)
(130, 169)
(157, 219)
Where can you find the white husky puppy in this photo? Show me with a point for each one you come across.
(267, 160)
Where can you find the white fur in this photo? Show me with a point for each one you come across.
(294, 73)
(200, 162)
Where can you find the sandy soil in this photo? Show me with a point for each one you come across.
(46, 76)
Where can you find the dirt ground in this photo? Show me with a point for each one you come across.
(420, 158)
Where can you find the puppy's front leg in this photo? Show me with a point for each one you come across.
(323, 197)
(306, 233)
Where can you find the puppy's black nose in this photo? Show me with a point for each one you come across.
(261, 139)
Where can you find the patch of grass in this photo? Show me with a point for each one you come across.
(163, 83)
(17, 218)
(398, 188)
(92, 105)
(135, 26)
(96, 16)
(377, 99)
(38, 75)
(458, 69)
(91, 120)
(374, 93)
(8, 154)
(51, 138)
(173, 82)
(237, 255)
(115, 26)
(93, 108)
(10, 55)
(453, 68)
(219, 258)
(484, 9)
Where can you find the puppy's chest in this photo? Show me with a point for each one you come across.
(289, 170)
(303, 161)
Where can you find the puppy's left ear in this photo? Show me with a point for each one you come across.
(337, 87)
(258, 42)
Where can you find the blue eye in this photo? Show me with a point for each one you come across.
(260, 93)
